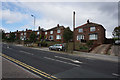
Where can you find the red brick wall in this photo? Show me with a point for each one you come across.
(86, 31)
(55, 33)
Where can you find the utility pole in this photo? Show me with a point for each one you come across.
(73, 30)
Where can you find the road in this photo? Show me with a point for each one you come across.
(51, 65)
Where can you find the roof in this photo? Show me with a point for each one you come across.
(90, 23)
(55, 27)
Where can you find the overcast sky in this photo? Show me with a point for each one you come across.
(17, 15)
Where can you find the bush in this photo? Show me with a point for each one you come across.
(42, 43)
(83, 47)
(89, 43)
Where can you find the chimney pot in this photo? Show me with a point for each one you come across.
(57, 25)
(88, 21)
(39, 28)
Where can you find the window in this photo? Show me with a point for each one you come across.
(15, 34)
(51, 37)
(25, 33)
(92, 28)
(80, 30)
(58, 37)
(93, 36)
(21, 33)
(51, 32)
(45, 33)
(80, 36)
(58, 31)
(38, 33)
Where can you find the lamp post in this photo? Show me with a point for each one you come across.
(34, 20)
(34, 25)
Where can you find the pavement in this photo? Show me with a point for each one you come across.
(85, 54)
(11, 70)
(47, 64)
(114, 50)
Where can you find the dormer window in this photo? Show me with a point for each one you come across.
(92, 28)
(51, 32)
(80, 30)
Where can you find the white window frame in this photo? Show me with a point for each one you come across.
(58, 31)
(21, 33)
(25, 33)
(38, 33)
(51, 32)
(51, 37)
(58, 36)
(45, 33)
(80, 30)
(92, 29)
(80, 36)
(93, 37)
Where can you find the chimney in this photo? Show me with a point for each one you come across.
(26, 29)
(73, 20)
(88, 21)
(39, 28)
(73, 30)
(57, 25)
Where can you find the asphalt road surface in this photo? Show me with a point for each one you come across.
(51, 65)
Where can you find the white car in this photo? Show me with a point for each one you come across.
(117, 42)
(58, 47)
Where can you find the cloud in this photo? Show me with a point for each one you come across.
(13, 17)
(52, 14)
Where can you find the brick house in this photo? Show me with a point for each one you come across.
(40, 32)
(90, 31)
(23, 35)
(7, 35)
(55, 33)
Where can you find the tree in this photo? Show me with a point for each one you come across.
(33, 37)
(12, 37)
(116, 32)
(3, 34)
(67, 34)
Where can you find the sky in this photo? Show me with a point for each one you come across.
(16, 15)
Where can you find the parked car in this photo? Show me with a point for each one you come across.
(58, 47)
(117, 42)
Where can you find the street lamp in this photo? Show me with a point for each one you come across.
(34, 20)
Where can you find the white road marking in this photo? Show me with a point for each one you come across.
(27, 52)
(75, 61)
(115, 74)
(62, 61)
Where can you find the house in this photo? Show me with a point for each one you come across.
(40, 33)
(55, 34)
(90, 32)
(7, 35)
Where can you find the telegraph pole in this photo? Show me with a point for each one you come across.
(73, 30)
